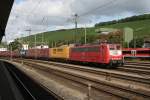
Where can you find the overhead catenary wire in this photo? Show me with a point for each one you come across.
(101, 7)
(34, 8)
(105, 5)
(77, 16)
(27, 14)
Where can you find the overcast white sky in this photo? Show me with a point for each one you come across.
(47, 15)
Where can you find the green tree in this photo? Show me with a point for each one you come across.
(3, 44)
(89, 39)
(15, 45)
(137, 42)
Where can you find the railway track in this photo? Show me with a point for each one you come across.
(106, 72)
(140, 70)
(137, 68)
(138, 63)
(102, 80)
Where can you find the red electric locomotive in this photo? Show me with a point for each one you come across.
(106, 54)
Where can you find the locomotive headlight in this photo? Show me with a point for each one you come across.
(115, 52)
(119, 52)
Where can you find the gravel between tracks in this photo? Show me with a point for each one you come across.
(59, 89)
(95, 77)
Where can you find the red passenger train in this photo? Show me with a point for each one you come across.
(142, 53)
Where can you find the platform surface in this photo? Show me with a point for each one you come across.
(8, 88)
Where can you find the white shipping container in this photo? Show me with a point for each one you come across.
(25, 46)
(3, 49)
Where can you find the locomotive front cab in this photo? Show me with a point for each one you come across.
(116, 56)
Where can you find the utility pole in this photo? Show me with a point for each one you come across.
(76, 26)
(22, 38)
(35, 40)
(43, 38)
(52, 44)
(21, 48)
(35, 45)
(29, 31)
(134, 41)
(85, 35)
(43, 33)
(55, 43)
(11, 53)
(134, 36)
(6, 46)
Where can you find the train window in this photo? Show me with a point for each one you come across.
(118, 47)
(126, 52)
(133, 52)
(112, 48)
(87, 49)
(74, 49)
(80, 49)
(143, 51)
(93, 49)
(54, 49)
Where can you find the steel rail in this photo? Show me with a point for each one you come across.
(29, 63)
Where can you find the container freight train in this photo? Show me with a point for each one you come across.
(136, 53)
(109, 55)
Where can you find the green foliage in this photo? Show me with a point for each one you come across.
(128, 19)
(14, 45)
(125, 45)
(89, 39)
(3, 45)
(113, 39)
(137, 42)
(140, 27)
(55, 37)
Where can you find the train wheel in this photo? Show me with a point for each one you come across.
(121, 63)
(110, 65)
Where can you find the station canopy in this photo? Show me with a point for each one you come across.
(5, 8)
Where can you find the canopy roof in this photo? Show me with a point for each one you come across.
(5, 8)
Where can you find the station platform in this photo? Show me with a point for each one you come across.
(8, 88)
(15, 85)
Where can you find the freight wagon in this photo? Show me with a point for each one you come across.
(60, 52)
(43, 53)
(102, 54)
